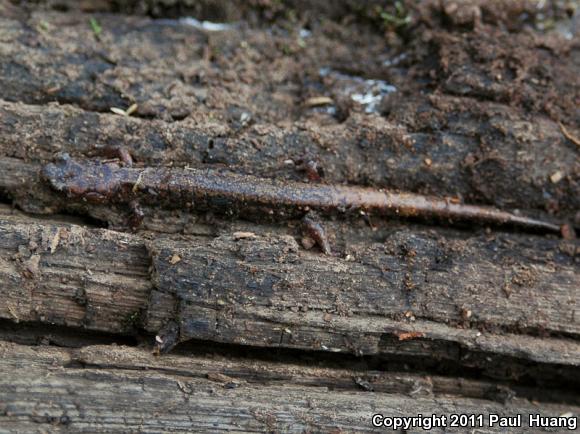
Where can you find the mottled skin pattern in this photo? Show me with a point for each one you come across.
(209, 189)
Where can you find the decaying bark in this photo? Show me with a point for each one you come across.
(281, 295)
(69, 275)
(490, 153)
(265, 290)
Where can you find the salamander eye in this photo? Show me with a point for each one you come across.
(50, 173)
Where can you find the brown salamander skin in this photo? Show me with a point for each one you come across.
(231, 193)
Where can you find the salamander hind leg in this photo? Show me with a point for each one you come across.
(314, 230)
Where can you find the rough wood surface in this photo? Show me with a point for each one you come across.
(126, 389)
(69, 275)
(267, 291)
(283, 295)
(472, 101)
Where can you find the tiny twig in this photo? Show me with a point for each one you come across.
(569, 135)
(230, 192)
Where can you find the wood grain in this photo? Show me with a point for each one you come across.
(121, 389)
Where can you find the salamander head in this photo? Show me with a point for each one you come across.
(66, 176)
(87, 180)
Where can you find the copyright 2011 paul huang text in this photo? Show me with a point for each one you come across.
(429, 422)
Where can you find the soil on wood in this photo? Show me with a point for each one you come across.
(448, 99)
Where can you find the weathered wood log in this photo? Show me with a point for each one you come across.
(223, 285)
(96, 388)
(389, 298)
(439, 320)
(68, 275)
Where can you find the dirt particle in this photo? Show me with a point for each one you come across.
(364, 384)
(118, 111)
(466, 313)
(221, 378)
(556, 177)
(174, 259)
(54, 241)
(307, 243)
(244, 236)
(567, 232)
(404, 336)
(80, 297)
(31, 266)
(318, 101)
(462, 14)
(312, 170)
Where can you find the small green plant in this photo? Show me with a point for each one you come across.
(133, 320)
(43, 26)
(398, 18)
(96, 27)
